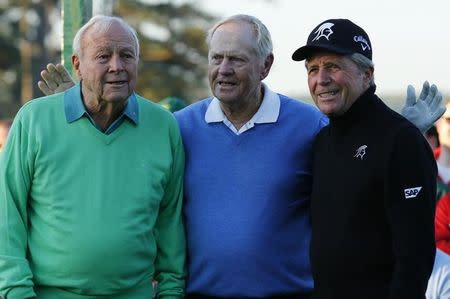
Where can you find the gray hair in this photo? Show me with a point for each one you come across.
(263, 46)
(102, 24)
(363, 64)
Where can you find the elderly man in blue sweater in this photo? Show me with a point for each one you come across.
(248, 171)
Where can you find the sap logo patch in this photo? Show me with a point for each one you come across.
(412, 192)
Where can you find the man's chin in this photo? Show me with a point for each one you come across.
(117, 97)
(326, 109)
(225, 97)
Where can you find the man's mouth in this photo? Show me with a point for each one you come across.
(226, 83)
(327, 94)
(117, 82)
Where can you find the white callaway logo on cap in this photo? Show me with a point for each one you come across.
(363, 42)
(324, 31)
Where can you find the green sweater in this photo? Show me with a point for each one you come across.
(91, 214)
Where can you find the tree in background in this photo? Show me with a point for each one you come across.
(25, 31)
(173, 50)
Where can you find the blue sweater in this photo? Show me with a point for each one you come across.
(247, 202)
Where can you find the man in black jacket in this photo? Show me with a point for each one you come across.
(374, 178)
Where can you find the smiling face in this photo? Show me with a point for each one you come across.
(335, 82)
(235, 71)
(107, 65)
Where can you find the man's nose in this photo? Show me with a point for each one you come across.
(323, 76)
(116, 64)
(225, 67)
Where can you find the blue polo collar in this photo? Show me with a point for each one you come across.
(75, 109)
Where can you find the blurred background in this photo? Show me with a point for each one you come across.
(410, 40)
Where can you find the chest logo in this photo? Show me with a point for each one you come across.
(412, 192)
(360, 152)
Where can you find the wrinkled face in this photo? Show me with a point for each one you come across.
(107, 65)
(443, 128)
(335, 82)
(235, 72)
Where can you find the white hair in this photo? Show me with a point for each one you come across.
(263, 47)
(102, 24)
(363, 64)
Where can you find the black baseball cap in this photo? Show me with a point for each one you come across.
(340, 36)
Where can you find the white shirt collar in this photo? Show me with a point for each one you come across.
(268, 112)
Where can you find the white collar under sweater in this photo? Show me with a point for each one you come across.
(267, 113)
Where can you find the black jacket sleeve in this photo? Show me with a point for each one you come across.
(410, 193)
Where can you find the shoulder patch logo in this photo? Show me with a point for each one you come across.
(360, 152)
(412, 192)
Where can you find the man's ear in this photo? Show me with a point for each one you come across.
(368, 75)
(76, 66)
(267, 65)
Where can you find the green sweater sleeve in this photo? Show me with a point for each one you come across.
(15, 177)
(169, 230)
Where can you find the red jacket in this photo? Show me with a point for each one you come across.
(443, 188)
(442, 224)
(437, 152)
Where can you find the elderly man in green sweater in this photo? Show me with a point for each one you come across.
(91, 184)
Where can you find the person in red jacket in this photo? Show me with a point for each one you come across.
(442, 224)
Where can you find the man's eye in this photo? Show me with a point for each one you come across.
(216, 58)
(333, 67)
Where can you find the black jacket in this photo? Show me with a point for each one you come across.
(372, 205)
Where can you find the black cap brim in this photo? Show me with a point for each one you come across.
(305, 52)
